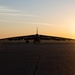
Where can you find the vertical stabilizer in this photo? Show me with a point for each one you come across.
(37, 30)
(37, 37)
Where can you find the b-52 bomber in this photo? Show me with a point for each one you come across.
(36, 38)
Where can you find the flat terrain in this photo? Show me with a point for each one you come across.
(37, 59)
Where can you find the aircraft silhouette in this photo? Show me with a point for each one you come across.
(37, 38)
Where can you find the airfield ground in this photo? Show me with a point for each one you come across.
(37, 59)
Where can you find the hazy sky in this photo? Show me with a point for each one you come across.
(52, 17)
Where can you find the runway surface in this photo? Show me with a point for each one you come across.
(37, 59)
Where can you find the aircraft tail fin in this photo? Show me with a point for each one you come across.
(37, 30)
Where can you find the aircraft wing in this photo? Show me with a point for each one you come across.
(28, 37)
(45, 37)
(32, 37)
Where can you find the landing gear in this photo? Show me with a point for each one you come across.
(36, 41)
(27, 41)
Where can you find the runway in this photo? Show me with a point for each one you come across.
(37, 59)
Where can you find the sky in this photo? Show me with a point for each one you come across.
(52, 17)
